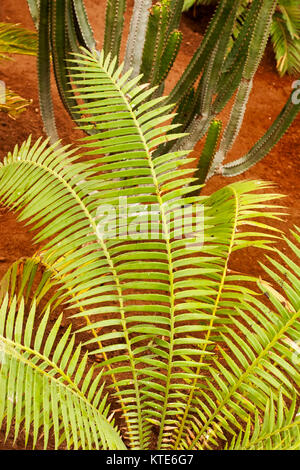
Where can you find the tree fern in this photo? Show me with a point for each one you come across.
(160, 312)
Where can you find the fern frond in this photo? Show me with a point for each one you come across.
(23, 281)
(278, 431)
(36, 281)
(13, 104)
(16, 40)
(256, 365)
(139, 138)
(113, 162)
(39, 389)
(228, 236)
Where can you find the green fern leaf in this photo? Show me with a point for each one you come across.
(40, 392)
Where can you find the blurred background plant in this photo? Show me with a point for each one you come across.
(285, 31)
(15, 40)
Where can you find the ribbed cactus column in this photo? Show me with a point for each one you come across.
(210, 56)
(137, 34)
(115, 10)
(235, 122)
(258, 42)
(44, 67)
(266, 143)
(34, 11)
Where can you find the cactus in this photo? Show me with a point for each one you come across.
(46, 105)
(208, 152)
(169, 55)
(215, 73)
(34, 11)
(257, 45)
(265, 144)
(84, 28)
(114, 26)
(285, 31)
(137, 34)
(155, 41)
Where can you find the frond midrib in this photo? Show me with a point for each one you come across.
(168, 246)
(171, 279)
(213, 315)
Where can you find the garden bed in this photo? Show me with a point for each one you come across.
(269, 94)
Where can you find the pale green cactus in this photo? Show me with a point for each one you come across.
(138, 26)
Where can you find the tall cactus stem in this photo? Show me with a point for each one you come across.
(137, 34)
(114, 22)
(84, 25)
(234, 124)
(196, 130)
(260, 34)
(266, 143)
(34, 7)
(207, 154)
(44, 73)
